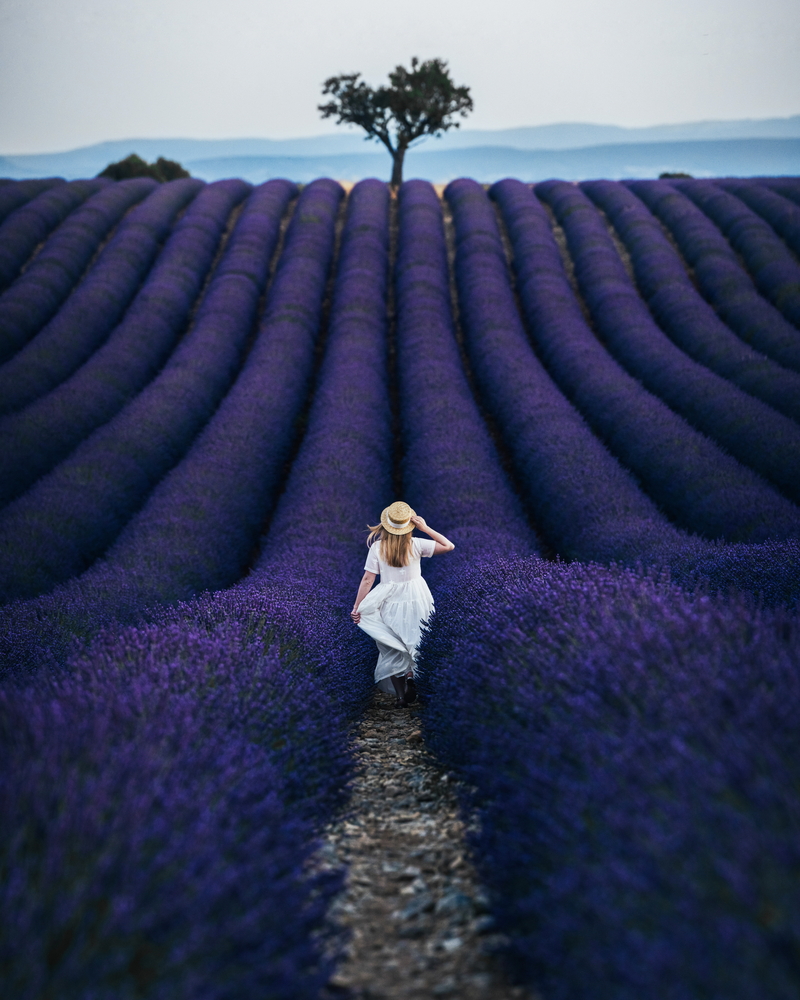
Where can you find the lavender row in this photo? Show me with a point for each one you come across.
(586, 505)
(201, 523)
(160, 826)
(302, 584)
(73, 514)
(37, 294)
(750, 430)
(341, 477)
(722, 280)
(774, 269)
(93, 308)
(786, 186)
(633, 755)
(31, 224)
(312, 556)
(781, 213)
(44, 433)
(450, 466)
(15, 194)
(679, 309)
(700, 487)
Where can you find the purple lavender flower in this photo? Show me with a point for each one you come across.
(29, 225)
(632, 754)
(750, 430)
(720, 276)
(453, 477)
(782, 214)
(584, 503)
(679, 309)
(786, 186)
(95, 306)
(341, 476)
(164, 823)
(71, 516)
(15, 194)
(45, 432)
(775, 270)
(201, 523)
(699, 486)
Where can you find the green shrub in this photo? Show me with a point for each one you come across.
(134, 166)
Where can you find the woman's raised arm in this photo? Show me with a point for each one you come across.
(442, 544)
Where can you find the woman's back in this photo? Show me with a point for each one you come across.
(420, 548)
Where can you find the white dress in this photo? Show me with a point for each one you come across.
(393, 611)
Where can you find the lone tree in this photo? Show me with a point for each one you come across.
(419, 102)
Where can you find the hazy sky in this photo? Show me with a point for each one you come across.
(74, 72)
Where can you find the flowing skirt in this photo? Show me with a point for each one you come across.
(392, 614)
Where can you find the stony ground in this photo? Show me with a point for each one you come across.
(417, 917)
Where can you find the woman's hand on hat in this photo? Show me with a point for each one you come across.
(419, 522)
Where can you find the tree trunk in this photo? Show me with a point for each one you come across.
(397, 166)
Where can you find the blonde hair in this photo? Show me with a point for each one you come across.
(395, 549)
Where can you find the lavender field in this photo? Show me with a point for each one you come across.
(207, 391)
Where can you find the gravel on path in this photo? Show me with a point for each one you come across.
(413, 906)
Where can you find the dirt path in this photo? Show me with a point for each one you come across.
(417, 917)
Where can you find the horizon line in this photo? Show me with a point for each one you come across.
(351, 131)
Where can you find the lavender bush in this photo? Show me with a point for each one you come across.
(312, 556)
(774, 269)
(679, 309)
(632, 749)
(633, 754)
(450, 466)
(720, 276)
(342, 474)
(29, 225)
(769, 572)
(164, 821)
(313, 553)
(786, 186)
(95, 306)
(45, 432)
(698, 485)
(235, 898)
(750, 430)
(781, 214)
(71, 516)
(15, 194)
(38, 293)
(201, 523)
(584, 503)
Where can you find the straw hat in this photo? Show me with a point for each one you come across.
(396, 518)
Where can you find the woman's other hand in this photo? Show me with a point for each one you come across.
(356, 616)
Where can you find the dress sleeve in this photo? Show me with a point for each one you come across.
(425, 546)
(372, 565)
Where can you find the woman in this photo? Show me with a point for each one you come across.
(393, 612)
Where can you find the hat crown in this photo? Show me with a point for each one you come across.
(399, 512)
(396, 518)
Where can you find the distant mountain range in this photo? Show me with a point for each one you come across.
(573, 151)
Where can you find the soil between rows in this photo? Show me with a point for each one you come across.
(415, 911)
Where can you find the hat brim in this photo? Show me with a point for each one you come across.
(397, 531)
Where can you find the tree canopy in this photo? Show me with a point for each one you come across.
(134, 166)
(418, 102)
